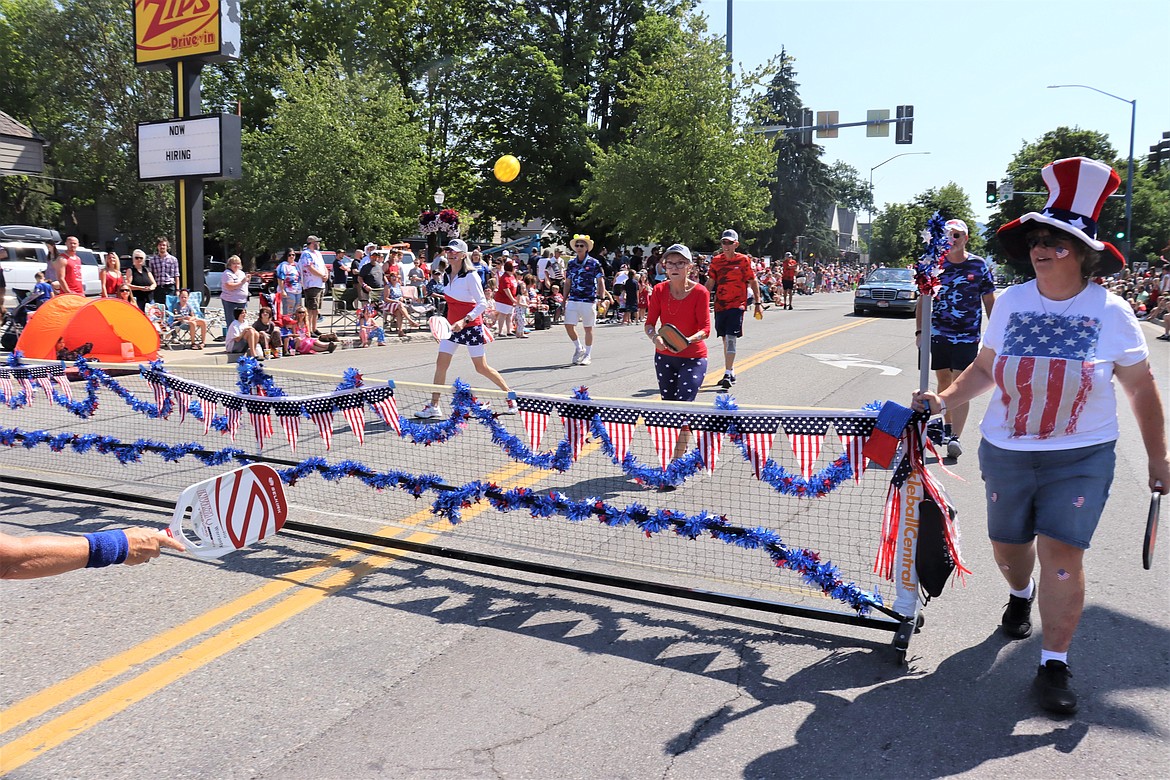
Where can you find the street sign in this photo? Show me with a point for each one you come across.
(827, 118)
(169, 31)
(204, 146)
(877, 131)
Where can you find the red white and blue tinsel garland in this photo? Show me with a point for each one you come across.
(938, 243)
(451, 502)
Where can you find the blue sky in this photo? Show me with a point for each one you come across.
(976, 73)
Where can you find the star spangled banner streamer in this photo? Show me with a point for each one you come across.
(534, 413)
(806, 435)
(619, 426)
(853, 431)
(664, 428)
(757, 434)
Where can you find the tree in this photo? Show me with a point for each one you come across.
(802, 190)
(340, 159)
(682, 171)
(897, 239)
(72, 77)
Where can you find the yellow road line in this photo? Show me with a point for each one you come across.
(98, 674)
(88, 714)
(771, 352)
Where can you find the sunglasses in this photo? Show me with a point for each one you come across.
(1048, 242)
(958, 235)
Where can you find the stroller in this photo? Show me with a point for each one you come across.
(17, 319)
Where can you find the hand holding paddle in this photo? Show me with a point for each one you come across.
(1151, 536)
(230, 512)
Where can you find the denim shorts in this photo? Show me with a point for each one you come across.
(1056, 493)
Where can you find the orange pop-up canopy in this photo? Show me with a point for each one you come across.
(104, 322)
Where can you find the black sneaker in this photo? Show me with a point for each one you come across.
(934, 432)
(732, 378)
(725, 382)
(1017, 617)
(1052, 688)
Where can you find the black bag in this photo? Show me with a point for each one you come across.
(932, 559)
(542, 321)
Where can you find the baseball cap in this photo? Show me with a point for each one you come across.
(312, 240)
(458, 244)
(788, 254)
(727, 234)
(957, 225)
(680, 249)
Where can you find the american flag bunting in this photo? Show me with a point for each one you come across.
(535, 414)
(758, 434)
(806, 435)
(619, 426)
(352, 406)
(289, 415)
(66, 388)
(853, 432)
(321, 413)
(664, 428)
(383, 402)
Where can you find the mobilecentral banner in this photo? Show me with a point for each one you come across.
(167, 30)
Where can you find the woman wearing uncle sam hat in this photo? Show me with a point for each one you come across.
(1050, 352)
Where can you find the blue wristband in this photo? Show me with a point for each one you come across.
(107, 548)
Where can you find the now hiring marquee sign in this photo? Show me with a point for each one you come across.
(206, 146)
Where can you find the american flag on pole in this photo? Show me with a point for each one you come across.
(289, 415)
(758, 434)
(383, 403)
(535, 415)
(261, 422)
(1046, 371)
(321, 412)
(806, 435)
(619, 426)
(664, 428)
(575, 418)
(853, 431)
(352, 406)
(66, 388)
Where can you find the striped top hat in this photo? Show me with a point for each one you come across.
(1077, 190)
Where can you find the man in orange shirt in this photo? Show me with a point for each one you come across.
(788, 280)
(729, 277)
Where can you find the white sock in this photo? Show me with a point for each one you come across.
(1026, 593)
(580, 346)
(1051, 655)
(589, 351)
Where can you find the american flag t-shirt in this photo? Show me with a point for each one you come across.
(1045, 372)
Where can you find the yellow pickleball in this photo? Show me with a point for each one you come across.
(507, 168)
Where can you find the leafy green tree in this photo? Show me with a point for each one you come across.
(340, 159)
(682, 171)
(70, 74)
(897, 230)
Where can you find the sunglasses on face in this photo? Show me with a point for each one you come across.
(1048, 242)
(958, 235)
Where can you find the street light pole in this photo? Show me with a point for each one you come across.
(871, 170)
(1129, 170)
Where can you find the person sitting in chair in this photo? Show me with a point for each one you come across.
(187, 313)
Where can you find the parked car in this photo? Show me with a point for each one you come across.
(27, 255)
(886, 289)
(264, 277)
(213, 276)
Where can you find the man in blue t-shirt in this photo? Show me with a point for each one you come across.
(585, 279)
(966, 288)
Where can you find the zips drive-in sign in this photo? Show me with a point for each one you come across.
(167, 30)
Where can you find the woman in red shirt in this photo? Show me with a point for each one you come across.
(684, 303)
(505, 300)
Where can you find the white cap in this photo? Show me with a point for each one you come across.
(729, 234)
(679, 249)
(957, 225)
(458, 244)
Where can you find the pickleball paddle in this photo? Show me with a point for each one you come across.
(230, 512)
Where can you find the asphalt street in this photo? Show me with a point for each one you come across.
(307, 660)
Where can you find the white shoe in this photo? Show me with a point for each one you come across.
(577, 355)
(585, 360)
(510, 407)
(428, 412)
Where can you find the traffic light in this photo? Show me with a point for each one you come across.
(905, 131)
(992, 193)
(806, 121)
(1120, 235)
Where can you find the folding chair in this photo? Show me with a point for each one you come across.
(344, 309)
(163, 321)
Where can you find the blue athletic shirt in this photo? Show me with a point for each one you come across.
(957, 313)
